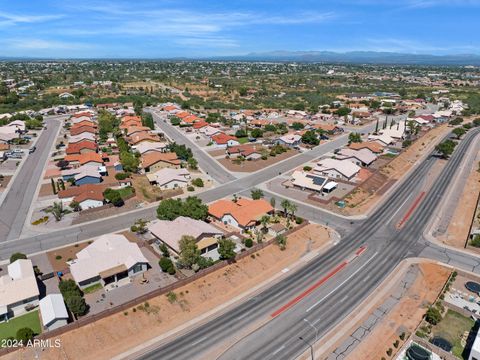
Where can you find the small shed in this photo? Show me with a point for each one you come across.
(53, 311)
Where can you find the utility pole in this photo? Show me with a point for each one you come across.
(310, 345)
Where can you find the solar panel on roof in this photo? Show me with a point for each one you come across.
(317, 180)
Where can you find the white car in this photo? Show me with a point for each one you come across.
(17, 151)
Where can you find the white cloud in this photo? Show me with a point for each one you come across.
(12, 19)
(42, 44)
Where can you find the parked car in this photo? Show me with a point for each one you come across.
(32, 149)
(17, 151)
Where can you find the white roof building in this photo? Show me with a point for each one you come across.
(165, 176)
(335, 168)
(108, 253)
(170, 232)
(144, 147)
(18, 287)
(290, 139)
(308, 181)
(363, 156)
(53, 310)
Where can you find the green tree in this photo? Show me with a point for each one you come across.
(147, 120)
(281, 240)
(240, 133)
(354, 137)
(459, 132)
(166, 264)
(265, 220)
(164, 249)
(24, 335)
(57, 210)
(297, 126)
(113, 196)
(192, 163)
(226, 249)
(256, 194)
(129, 161)
(189, 252)
(76, 304)
(343, 111)
(139, 226)
(75, 206)
(433, 315)
(285, 204)
(16, 256)
(311, 138)
(256, 133)
(198, 182)
(446, 148)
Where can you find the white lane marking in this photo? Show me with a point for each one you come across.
(344, 298)
(400, 207)
(198, 341)
(366, 277)
(343, 282)
(279, 349)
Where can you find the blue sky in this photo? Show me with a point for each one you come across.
(169, 28)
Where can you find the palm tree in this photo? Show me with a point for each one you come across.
(57, 210)
(293, 209)
(285, 204)
(264, 221)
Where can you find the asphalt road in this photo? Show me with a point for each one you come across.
(205, 161)
(18, 200)
(329, 304)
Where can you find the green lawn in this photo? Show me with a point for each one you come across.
(30, 320)
(243, 140)
(126, 191)
(92, 288)
(452, 328)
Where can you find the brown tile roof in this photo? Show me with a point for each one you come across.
(85, 158)
(84, 123)
(84, 144)
(373, 146)
(82, 129)
(93, 194)
(135, 129)
(244, 211)
(77, 190)
(223, 138)
(142, 136)
(151, 158)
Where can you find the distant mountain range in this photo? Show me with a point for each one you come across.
(359, 57)
(351, 57)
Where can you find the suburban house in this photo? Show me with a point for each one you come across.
(110, 260)
(146, 147)
(90, 158)
(249, 152)
(82, 137)
(88, 175)
(53, 311)
(81, 147)
(362, 157)
(90, 199)
(18, 289)
(308, 181)
(373, 146)
(243, 213)
(289, 140)
(209, 131)
(141, 137)
(82, 129)
(168, 178)
(170, 233)
(136, 129)
(155, 161)
(223, 140)
(383, 139)
(74, 193)
(337, 169)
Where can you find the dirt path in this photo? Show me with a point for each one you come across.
(118, 333)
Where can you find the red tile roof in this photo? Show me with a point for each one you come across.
(151, 158)
(82, 129)
(223, 138)
(84, 144)
(244, 211)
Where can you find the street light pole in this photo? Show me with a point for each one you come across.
(310, 345)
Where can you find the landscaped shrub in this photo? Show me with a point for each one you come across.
(24, 334)
(166, 264)
(17, 256)
(121, 176)
(299, 220)
(433, 315)
(248, 242)
(198, 182)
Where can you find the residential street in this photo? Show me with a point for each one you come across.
(19, 198)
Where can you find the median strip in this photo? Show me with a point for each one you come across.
(412, 208)
(319, 283)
